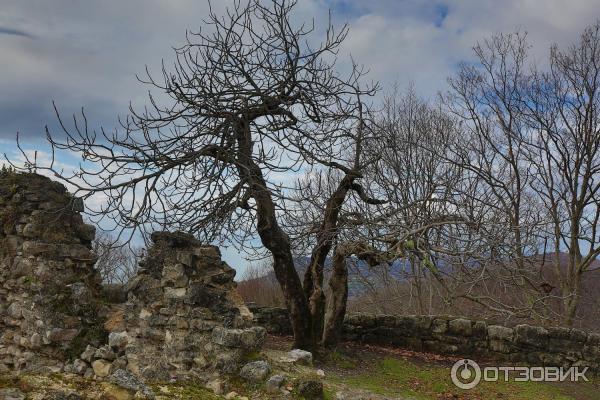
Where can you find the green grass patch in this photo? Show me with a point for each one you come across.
(341, 361)
(392, 376)
(186, 391)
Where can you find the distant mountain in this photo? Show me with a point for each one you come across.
(361, 275)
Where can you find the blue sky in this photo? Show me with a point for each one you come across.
(86, 54)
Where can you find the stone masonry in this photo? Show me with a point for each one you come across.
(48, 286)
(182, 317)
(522, 344)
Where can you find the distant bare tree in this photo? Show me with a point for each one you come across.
(486, 98)
(533, 143)
(117, 263)
(424, 209)
(563, 110)
(259, 285)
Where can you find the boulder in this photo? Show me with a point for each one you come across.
(118, 340)
(274, 383)
(102, 368)
(105, 353)
(79, 367)
(298, 356)
(15, 310)
(256, 371)
(88, 353)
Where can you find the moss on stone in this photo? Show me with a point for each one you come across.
(90, 335)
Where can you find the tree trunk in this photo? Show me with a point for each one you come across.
(313, 277)
(276, 241)
(338, 282)
(572, 302)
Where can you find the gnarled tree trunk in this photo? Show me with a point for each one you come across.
(336, 308)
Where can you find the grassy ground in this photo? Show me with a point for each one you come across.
(420, 376)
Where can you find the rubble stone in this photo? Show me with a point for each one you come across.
(256, 371)
(297, 356)
(274, 383)
(129, 382)
(311, 389)
(102, 368)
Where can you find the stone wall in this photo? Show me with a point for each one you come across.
(182, 318)
(48, 286)
(532, 345)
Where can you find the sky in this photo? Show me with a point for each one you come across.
(87, 53)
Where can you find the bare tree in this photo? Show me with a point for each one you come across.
(424, 208)
(252, 97)
(259, 285)
(117, 262)
(533, 145)
(320, 214)
(563, 110)
(406, 196)
(486, 98)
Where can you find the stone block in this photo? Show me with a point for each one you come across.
(439, 326)
(249, 339)
(118, 340)
(498, 332)
(535, 336)
(174, 275)
(102, 368)
(460, 326)
(298, 356)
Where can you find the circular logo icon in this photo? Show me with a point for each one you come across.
(465, 374)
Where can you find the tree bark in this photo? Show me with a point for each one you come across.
(338, 282)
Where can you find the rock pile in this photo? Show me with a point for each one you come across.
(48, 286)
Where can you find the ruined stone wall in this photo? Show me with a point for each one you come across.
(48, 286)
(182, 317)
(532, 345)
